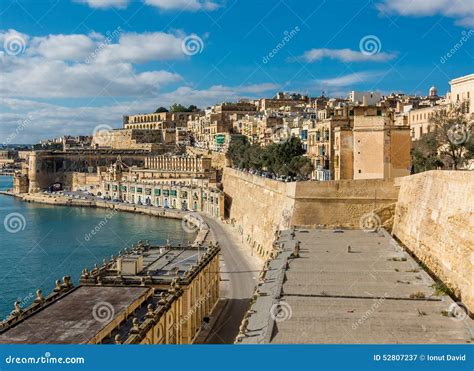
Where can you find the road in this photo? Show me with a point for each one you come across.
(239, 273)
(239, 279)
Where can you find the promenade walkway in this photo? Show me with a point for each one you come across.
(350, 286)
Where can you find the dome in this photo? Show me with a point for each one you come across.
(433, 92)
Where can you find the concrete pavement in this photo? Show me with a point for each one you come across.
(239, 272)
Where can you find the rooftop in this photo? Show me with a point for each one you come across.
(75, 318)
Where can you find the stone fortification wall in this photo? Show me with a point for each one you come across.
(434, 218)
(258, 207)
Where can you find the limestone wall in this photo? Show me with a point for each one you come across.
(258, 206)
(434, 218)
(85, 180)
(341, 202)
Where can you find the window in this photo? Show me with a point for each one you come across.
(157, 192)
(379, 112)
(139, 190)
(360, 171)
(132, 189)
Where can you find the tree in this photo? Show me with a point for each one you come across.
(279, 159)
(425, 154)
(161, 109)
(451, 137)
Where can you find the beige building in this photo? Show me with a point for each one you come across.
(190, 164)
(419, 121)
(462, 92)
(211, 130)
(283, 102)
(381, 149)
(158, 121)
(320, 142)
(146, 295)
(131, 139)
(191, 188)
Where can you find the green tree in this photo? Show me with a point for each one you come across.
(280, 159)
(161, 109)
(425, 154)
(448, 145)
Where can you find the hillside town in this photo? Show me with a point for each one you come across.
(364, 136)
(270, 176)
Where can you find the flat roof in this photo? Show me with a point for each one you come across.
(376, 293)
(72, 319)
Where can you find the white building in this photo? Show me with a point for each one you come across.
(364, 97)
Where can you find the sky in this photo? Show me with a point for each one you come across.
(70, 66)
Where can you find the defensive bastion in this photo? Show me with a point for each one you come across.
(432, 215)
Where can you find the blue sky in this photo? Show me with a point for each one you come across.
(69, 66)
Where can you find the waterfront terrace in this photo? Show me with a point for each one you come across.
(148, 294)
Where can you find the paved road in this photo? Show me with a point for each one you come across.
(239, 277)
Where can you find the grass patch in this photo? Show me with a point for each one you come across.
(441, 289)
(417, 295)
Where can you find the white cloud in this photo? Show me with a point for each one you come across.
(139, 48)
(349, 79)
(345, 55)
(86, 65)
(461, 10)
(63, 47)
(191, 5)
(114, 47)
(37, 77)
(184, 5)
(105, 4)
